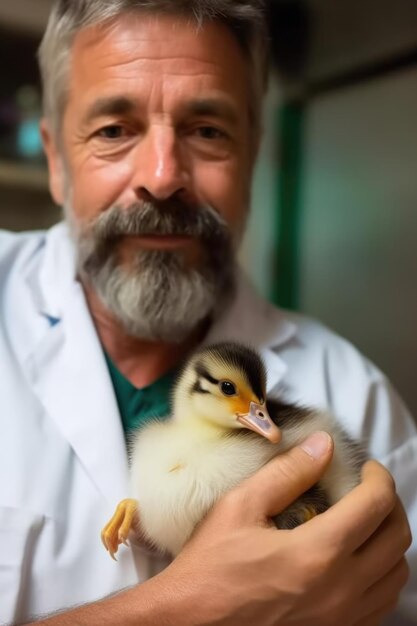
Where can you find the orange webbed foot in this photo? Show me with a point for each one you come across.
(117, 529)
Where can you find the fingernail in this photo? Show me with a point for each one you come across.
(317, 444)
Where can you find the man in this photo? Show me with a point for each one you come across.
(151, 130)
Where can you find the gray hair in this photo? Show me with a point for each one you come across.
(245, 18)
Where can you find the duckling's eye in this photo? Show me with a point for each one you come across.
(227, 388)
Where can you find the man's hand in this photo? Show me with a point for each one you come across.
(344, 567)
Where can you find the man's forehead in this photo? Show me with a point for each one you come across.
(129, 51)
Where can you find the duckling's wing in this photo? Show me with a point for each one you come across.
(299, 422)
(286, 415)
(294, 421)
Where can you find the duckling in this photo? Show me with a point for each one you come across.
(222, 430)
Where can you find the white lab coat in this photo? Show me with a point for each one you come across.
(63, 464)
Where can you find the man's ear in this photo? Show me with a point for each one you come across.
(55, 163)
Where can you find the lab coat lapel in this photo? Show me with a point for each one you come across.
(70, 376)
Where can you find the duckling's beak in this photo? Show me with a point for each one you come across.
(259, 421)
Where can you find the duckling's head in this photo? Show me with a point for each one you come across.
(225, 384)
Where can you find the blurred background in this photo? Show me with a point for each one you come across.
(333, 230)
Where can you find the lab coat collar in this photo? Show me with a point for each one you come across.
(253, 321)
(249, 319)
(68, 371)
(58, 270)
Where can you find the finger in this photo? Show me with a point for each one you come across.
(285, 478)
(386, 590)
(352, 520)
(386, 547)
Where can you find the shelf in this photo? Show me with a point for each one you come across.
(23, 176)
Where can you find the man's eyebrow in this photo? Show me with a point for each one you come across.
(114, 105)
(121, 105)
(213, 107)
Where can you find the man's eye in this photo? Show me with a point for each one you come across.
(209, 132)
(111, 132)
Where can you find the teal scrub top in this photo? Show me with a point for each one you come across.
(138, 406)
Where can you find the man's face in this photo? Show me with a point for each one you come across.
(157, 118)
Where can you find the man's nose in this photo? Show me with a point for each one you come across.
(160, 168)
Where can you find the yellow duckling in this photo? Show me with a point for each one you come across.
(223, 429)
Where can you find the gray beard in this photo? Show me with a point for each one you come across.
(158, 297)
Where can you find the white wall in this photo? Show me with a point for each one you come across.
(359, 221)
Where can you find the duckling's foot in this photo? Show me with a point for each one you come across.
(295, 515)
(117, 529)
(309, 512)
(311, 503)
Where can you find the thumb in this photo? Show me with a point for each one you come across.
(281, 481)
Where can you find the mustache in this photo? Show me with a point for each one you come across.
(168, 217)
(97, 242)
